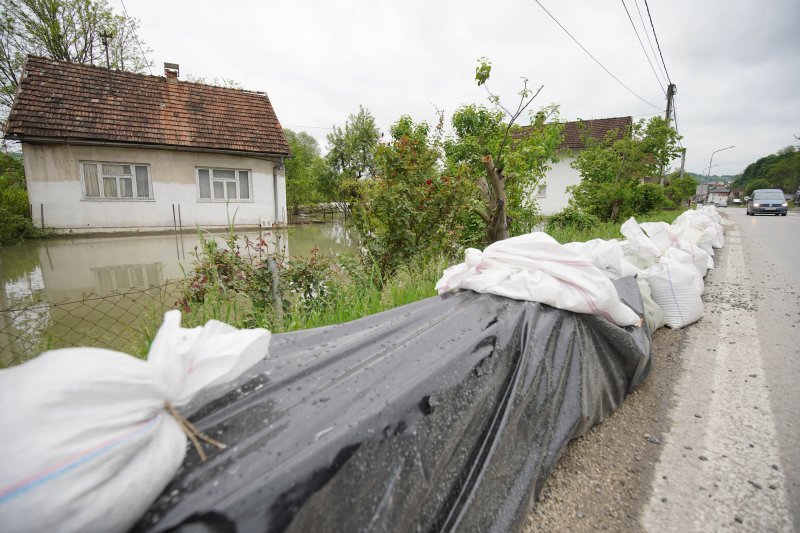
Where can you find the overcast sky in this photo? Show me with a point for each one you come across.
(736, 63)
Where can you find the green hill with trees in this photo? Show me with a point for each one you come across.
(702, 178)
(780, 170)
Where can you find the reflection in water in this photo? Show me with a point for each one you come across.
(93, 291)
(26, 317)
(111, 279)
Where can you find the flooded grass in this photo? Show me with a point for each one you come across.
(110, 291)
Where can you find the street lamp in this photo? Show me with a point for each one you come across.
(712, 157)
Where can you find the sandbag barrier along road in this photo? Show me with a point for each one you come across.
(446, 414)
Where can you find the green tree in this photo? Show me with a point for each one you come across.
(785, 172)
(613, 168)
(679, 190)
(775, 171)
(408, 209)
(759, 183)
(66, 30)
(506, 161)
(303, 170)
(12, 172)
(217, 82)
(350, 157)
(15, 220)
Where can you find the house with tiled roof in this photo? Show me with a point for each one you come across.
(718, 196)
(111, 151)
(552, 195)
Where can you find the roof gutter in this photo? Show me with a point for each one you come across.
(116, 144)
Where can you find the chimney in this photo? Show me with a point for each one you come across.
(171, 71)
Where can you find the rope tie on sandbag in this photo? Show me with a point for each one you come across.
(192, 432)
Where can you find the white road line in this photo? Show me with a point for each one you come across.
(719, 468)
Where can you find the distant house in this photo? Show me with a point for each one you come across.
(718, 196)
(552, 195)
(109, 151)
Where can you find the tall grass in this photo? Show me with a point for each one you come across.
(353, 299)
(607, 230)
(348, 288)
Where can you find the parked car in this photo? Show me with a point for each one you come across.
(767, 201)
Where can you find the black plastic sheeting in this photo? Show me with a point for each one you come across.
(443, 415)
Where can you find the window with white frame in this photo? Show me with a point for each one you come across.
(223, 184)
(116, 181)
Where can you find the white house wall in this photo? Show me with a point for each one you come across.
(55, 190)
(561, 176)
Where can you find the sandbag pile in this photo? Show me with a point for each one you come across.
(536, 268)
(668, 260)
(674, 259)
(93, 436)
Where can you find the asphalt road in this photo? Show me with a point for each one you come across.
(711, 441)
(731, 459)
(772, 260)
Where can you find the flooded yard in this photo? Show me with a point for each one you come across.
(95, 291)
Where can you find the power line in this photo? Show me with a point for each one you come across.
(649, 42)
(135, 36)
(646, 55)
(594, 58)
(657, 43)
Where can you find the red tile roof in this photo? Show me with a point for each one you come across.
(71, 102)
(574, 132)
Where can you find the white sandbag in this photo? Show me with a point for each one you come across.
(711, 212)
(653, 314)
(91, 437)
(661, 234)
(684, 257)
(535, 267)
(639, 249)
(719, 241)
(666, 237)
(607, 256)
(693, 218)
(673, 288)
(708, 221)
(702, 238)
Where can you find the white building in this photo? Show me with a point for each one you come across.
(553, 195)
(121, 152)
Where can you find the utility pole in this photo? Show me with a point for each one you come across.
(671, 90)
(683, 160)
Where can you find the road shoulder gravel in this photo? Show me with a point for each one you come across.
(693, 449)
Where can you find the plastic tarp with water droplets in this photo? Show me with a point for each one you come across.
(443, 415)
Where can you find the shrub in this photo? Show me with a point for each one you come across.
(571, 218)
(650, 197)
(15, 221)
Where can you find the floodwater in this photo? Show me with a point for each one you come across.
(95, 291)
